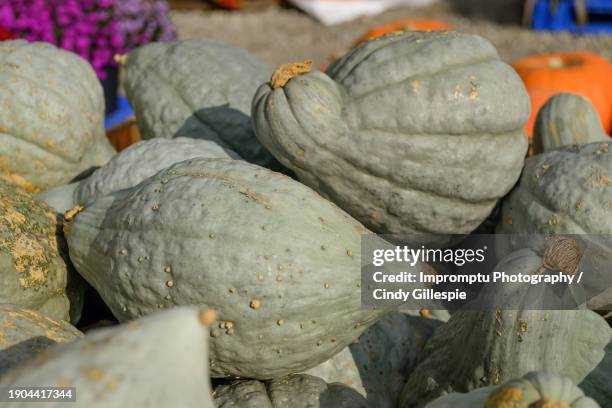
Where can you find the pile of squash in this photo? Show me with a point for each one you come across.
(227, 244)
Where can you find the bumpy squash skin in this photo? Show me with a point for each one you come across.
(141, 161)
(158, 362)
(279, 262)
(33, 273)
(199, 89)
(567, 191)
(566, 119)
(378, 364)
(535, 389)
(25, 333)
(480, 348)
(414, 132)
(52, 116)
(293, 391)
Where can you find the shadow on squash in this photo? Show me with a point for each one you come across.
(210, 123)
(19, 353)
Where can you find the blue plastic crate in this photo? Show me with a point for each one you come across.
(123, 112)
(563, 17)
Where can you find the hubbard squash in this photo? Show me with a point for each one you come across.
(52, 116)
(566, 119)
(598, 384)
(581, 72)
(199, 89)
(415, 133)
(279, 263)
(131, 166)
(25, 333)
(293, 391)
(159, 361)
(141, 161)
(567, 190)
(378, 364)
(533, 390)
(477, 348)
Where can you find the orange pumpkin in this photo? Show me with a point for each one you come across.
(583, 73)
(230, 4)
(416, 24)
(244, 4)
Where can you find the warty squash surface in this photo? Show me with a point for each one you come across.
(419, 132)
(280, 263)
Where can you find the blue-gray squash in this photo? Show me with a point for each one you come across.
(598, 384)
(131, 166)
(141, 161)
(197, 88)
(159, 361)
(280, 263)
(567, 190)
(25, 333)
(52, 116)
(378, 364)
(566, 119)
(478, 348)
(419, 132)
(533, 390)
(293, 391)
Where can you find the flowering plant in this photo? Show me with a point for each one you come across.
(94, 29)
(141, 22)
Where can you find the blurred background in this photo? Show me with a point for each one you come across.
(279, 32)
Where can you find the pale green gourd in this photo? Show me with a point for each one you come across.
(567, 190)
(141, 161)
(378, 364)
(52, 116)
(159, 361)
(280, 263)
(293, 391)
(419, 132)
(25, 333)
(478, 348)
(131, 166)
(566, 119)
(197, 88)
(598, 384)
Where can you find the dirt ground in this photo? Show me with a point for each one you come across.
(280, 34)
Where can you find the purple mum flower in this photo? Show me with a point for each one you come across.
(95, 29)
